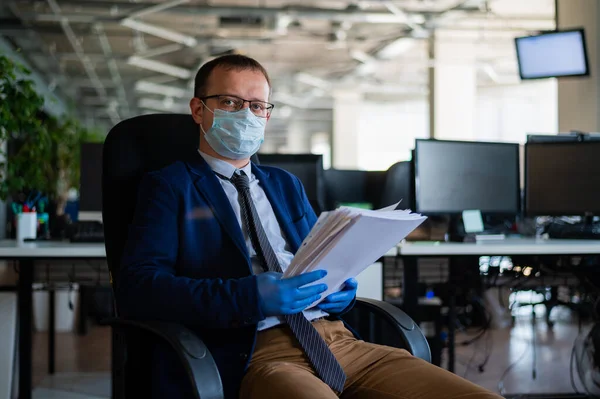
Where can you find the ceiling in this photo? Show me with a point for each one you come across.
(115, 59)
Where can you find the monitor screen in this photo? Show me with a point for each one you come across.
(562, 179)
(454, 176)
(360, 187)
(90, 186)
(307, 167)
(555, 54)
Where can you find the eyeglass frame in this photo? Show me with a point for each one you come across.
(269, 108)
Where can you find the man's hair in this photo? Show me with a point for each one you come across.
(228, 62)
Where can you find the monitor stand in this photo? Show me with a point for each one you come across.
(588, 219)
(456, 232)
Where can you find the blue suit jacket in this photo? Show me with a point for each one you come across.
(186, 261)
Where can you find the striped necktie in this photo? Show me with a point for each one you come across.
(315, 348)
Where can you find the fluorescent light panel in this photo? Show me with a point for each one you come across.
(154, 88)
(161, 32)
(361, 56)
(157, 8)
(160, 67)
(160, 105)
(312, 80)
(396, 48)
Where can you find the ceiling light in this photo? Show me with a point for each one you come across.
(160, 67)
(365, 69)
(156, 51)
(361, 56)
(158, 31)
(312, 80)
(157, 8)
(396, 48)
(154, 88)
(160, 105)
(491, 73)
(385, 18)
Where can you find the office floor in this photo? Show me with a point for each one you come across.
(83, 363)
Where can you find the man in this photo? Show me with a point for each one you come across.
(207, 246)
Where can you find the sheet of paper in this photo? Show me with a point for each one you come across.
(359, 248)
(348, 240)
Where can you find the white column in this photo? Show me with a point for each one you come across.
(298, 137)
(346, 117)
(454, 86)
(579, 98)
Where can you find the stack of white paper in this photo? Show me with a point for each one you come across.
(348, 240)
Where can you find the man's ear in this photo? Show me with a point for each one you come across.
(197, 106)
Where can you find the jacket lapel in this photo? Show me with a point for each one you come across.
(275, 195)
(208, 185)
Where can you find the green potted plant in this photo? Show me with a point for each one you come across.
(42, 151)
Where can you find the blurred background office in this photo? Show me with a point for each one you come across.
(360, 90)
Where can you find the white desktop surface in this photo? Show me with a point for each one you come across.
(508, 246)
(51, 249)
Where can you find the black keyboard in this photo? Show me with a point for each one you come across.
(573, 231)
(86, 231)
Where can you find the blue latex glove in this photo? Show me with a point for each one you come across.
(338, 301)
(279, 296)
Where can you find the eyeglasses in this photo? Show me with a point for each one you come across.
(232, 103)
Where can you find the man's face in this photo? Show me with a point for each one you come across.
(247, 84)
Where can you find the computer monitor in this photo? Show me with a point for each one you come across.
(553, 54)
(358, 188)
(454, 176)
(562, 137)
(90, 186)
(562, 179)
(553, 138)
(308, 168)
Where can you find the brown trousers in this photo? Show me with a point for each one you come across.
(280, 370)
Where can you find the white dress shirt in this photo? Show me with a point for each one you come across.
(268, 221)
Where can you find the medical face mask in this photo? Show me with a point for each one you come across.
(235, 135)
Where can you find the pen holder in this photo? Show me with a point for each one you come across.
(27, 223)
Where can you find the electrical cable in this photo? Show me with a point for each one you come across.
(533, 339)
(488, 352)
(475, 348)
(572, 371)
(579, 366)
(485, 332)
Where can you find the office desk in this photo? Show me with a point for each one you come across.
(410, 252)
(25, 255)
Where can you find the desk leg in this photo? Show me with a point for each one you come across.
(51, 330)
(451, 315)
(410, 287)
(25, 306)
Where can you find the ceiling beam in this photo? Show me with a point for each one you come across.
(115, 74)
(54, 103)
(295, 12)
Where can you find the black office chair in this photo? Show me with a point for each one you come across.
(398, 185)
(144, 143)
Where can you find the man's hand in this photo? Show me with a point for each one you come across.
(281, 296)
(338, 301)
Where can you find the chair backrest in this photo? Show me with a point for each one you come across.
(399, 185)
(132, 148)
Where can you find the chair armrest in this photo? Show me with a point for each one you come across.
(403, 327)
(196, 358)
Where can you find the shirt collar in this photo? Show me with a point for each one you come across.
(224, 168)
